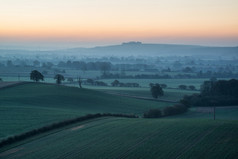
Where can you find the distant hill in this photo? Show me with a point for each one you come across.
(141, 49)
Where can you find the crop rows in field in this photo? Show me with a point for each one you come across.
(136, 138)
(30, 106)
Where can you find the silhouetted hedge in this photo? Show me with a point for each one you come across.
(174, 110)
(153, 113)
(53, 126)
(167, 111)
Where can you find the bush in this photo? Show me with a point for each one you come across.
(182, 87)
(174, 110)
(153, 113)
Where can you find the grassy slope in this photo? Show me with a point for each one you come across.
(136, 138)
(31, 106)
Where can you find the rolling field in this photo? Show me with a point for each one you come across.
(169, 94)
(193, 134)
(135, 138)
(30, 106)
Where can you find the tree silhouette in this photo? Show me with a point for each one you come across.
(59, 78)
(156, 90)
(80, 82)
(36, 76)
(115, 83)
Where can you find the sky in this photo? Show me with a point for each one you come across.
(71, 23)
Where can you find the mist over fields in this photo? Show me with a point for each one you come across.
(137, 49)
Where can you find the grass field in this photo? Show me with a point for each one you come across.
(169, 94)
(193, 134)
(30, 106)
(135, 138)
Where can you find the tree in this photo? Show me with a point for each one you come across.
(36, 76)
(156, 90)
(80, 82)
(115, 83)
(59, 78)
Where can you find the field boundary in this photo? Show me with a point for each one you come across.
(53, 126)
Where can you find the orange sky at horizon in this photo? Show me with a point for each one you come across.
(122, 20)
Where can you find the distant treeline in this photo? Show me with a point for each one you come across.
(54, 126)
(167, 76)
(214, 93)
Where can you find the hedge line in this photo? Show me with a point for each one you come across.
(53, 126)
(167, 111)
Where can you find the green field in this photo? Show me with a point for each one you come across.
(169, 94)
(193, 134)
(135, 138)
(29, 106)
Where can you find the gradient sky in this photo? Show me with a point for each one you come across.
(101, 22)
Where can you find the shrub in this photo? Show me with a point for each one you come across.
(153, 113)
(176, 109)
(182, 87)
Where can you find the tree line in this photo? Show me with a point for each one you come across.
(167, 111)
(214, 93)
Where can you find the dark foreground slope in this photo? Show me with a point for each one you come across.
(29, 106)
(135, 138)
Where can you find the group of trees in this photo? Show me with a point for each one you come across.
(116, 83)
(138, 76)
(95, 83)
(214, 93)
(184, 87)
(37, 76)
(167, 111)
